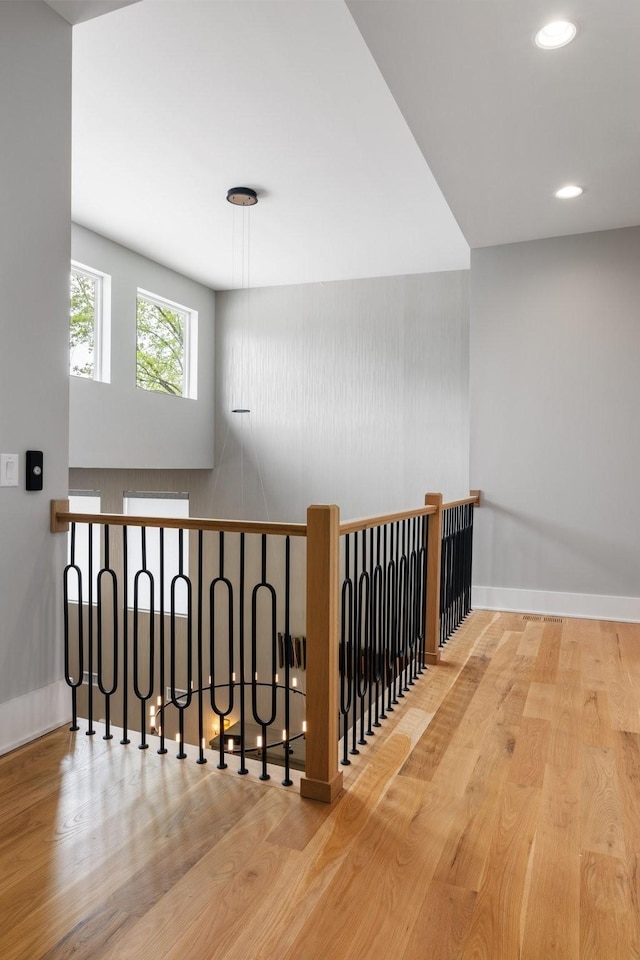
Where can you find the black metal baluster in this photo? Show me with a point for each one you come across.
(458, 558)
(220, 713)
(363, 637)
(384, 621)
(395, 551)
(160, 706)
(73, 684)
(183, 702)
(201, 757)
(125, 638)
(90, 732)
(424, 541)
(346, 647)
(443, 576)
(390, 617)
(411, 599)
(143, 695)
(242, 770)
(287, 782)
(107, 692)
(403, 608)
(264, 722)
(377, 674)
(464, 609)
(417, 598)
(371, 640)
(470, 569)
(446, 521)
(356, 666)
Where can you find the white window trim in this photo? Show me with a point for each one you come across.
(101, 322)
(190, 358)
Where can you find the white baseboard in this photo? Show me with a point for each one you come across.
(584, 605)
(30, 716)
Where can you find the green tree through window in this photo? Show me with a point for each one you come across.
(162, 331)
(82, 325)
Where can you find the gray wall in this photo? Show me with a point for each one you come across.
(115, 424)
(555, 401)
(35, 120)
(358, 392)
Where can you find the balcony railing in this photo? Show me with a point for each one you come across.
(259, 642)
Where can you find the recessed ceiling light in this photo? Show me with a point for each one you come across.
(568, 192)
(556, 34)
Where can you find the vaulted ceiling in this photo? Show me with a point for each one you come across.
(383, 136)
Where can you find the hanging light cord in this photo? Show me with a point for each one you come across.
(257, 459)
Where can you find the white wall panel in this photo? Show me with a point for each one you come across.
(115, 424)
(35, 120)
(555, 400)
(358, 392)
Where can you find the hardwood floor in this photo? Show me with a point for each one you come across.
(497, 816)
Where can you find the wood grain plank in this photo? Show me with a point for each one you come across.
(551, 914)
(495, 925)
(596, 721)
(399, 848)
(540, 701)
(601, 813)
(428, 752)
(464, 858)
(547, 661)
(608, 914)
(280, 919)
(530, 755)
(564, 748)
(442, 925)
(529, 645)
(627, 750)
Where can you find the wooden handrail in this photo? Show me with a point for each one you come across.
(353, 526)
(62, 517)
(473, 498)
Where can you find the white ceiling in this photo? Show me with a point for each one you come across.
(503, 124)
(77, 11)
(175, 101)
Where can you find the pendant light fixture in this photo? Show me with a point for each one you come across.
(242, 196)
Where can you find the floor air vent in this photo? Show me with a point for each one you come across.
(529, 616)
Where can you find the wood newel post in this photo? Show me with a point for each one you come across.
(434, 554)
(323, 779)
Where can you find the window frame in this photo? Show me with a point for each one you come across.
(129, 497)
(189, 349)
(82, 540)
(101, 322)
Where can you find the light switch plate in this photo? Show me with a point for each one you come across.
(9, 469)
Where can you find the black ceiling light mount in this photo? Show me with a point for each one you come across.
(242, 196)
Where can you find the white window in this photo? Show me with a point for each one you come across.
(84, 501)
(166, 346)
(174, 505)
(89, 323)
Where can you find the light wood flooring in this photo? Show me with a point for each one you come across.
(497, 816)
